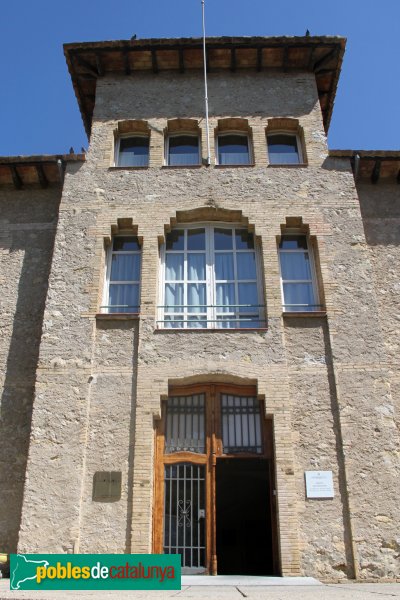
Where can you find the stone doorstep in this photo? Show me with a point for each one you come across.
(246, 580)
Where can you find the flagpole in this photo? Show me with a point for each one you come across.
(208, 160)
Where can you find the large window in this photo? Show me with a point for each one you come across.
(123, 276)
(299, 291)
(233, 149)
(210, 279)
(183, 150)
(284, 149)
(132, 151)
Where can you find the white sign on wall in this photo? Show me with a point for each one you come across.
(319, 484)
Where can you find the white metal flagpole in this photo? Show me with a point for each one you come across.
(205, 84)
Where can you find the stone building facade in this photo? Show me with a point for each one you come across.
(91, 382)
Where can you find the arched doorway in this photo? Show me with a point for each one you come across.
(214, 481)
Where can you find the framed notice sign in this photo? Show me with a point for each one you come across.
(319, 484)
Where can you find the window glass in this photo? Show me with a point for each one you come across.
(196, 239)
(183, 150)
(125, 243)
(175, 240)
(185, 424)
(210, 279)
(295, 265)
(174, 264)
(133, 152)
(283, 149)
(125, 267)
(123, 276)
(298, 287)
(233, 149)
(223, 239)
(196, 266)
(224, 266)
(244, 240)
(293, 242)
(241, 424)
(246, 265)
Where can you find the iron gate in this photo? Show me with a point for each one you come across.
(184, 515)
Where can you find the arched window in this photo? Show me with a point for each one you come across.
(298, 274)
(182, 143)
(233, 145)
(284, 149)
(122, 286)
(132, 142)
(285, 142)
(211, 278)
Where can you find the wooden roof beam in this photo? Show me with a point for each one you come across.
(44, 182)
(16, 177)
(127, 65)
(100, 64)
(259, 59)
(86, 65)
(154, 61)
(285, 59)
(233, 60)
(376, 172)
(311, 58)
(325, 59)
(181, 61)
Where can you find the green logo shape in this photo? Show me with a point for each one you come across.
(95, 572)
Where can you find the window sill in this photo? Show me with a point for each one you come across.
(235, 166)
(313, 314)
(181, 166)
(215, 330)
(131, 168)
(287, 166)
(117, 316)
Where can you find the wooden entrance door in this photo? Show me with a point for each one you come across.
(202, 428)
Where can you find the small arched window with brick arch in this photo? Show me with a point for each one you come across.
(298, 262)
(182, 143)
(233, 143)
(132, 143)
(285, 142)
(123, 269)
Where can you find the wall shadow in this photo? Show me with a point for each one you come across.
(131, 454)
(349, 568)
(30, 229)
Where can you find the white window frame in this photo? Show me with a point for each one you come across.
(182, 134)
(105, 308)
(317, 306)
(298, 142)
(241, 133)
(212, 322)
(117, 146)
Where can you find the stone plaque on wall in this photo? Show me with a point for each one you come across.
(319, 484)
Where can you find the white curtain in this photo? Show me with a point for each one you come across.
(125, 267)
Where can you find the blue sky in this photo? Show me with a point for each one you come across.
(38, 110)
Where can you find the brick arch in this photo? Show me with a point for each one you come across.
(204, 214)
(291, 126)
(122, 225)
(297, 225)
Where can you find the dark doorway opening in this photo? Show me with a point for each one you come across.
(243, 517)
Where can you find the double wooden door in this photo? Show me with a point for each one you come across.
(214, 500)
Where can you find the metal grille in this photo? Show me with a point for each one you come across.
(241, 424)
(185, 424)
(184, 520)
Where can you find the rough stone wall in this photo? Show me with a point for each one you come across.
(28, 220)
(318, 376)
(380, 209)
